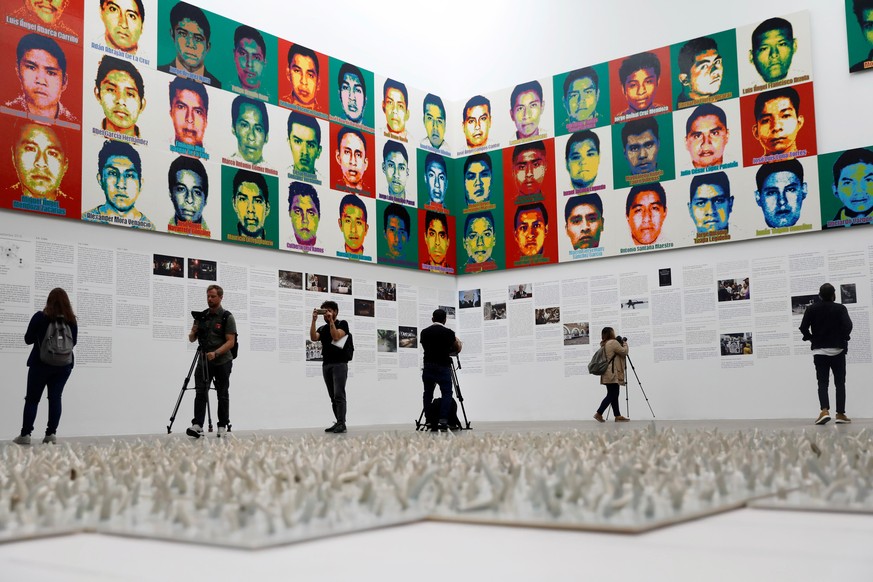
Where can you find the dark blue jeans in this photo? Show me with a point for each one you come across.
(220, 375)
(612, 393)
(431, 375)
(38, 377)
(335, 376)
(823, 366)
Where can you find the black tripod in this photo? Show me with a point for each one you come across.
(199, 362)
(456, 365)
(627, 396)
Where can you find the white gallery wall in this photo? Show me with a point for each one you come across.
(134, 354)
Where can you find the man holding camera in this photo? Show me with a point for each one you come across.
(439, 343)
(335, 362)
(217, 336)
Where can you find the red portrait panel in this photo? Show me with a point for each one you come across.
(641, 85)
(436, 242)
(353, 160)
(531, 233)
(529, 172)
(303, 79)
(778, 124)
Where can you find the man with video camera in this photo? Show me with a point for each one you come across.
(335, 361)
(216, 335)
(439, 343)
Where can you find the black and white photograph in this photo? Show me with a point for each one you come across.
(521, 291)
(848, 293)
(576, 334)
(408, 337)
(341, 285)
(799, 303)
(290, 280)
(734, 290)
(547, 315)
(386, 340)
(316, 283)
(450, 311)
(469, 298)
(736, 344)
(313, 351)
(365, 307)
(494, 311)
(386, 291)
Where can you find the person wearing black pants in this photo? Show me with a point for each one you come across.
(827, 325)
(613, 378)
(335, 363)
(439, 342)
(41, 375)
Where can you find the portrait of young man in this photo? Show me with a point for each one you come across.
(353, 224)
(529, 168)
(477, 121)
(700, 71)
(583, 221)
(249, 57)
(853, 187)
(250, 125)
(304, 139)
(395, 106)
(191, 33)
(639, 79)
(352, 91)
(646, 211)
(437, 243)
(530, 229)
(303, 72)
(188, 185)
(352, 161)
(40, 162)
(641, 143)
(710, 204)
(781, 192)
(706, 135)
(395, 168)
(773, 49)
(581, 96)
(250, 196)
(779, 122)
(480, 241)
(526, 108)
(120, 91)
(41, 66)
(396, 224)
(119, 175)
(123, 23)
(304, 210)
(434, 119)
(189, 111)
(862, 11)
(582, 160)
(47, 14)
(436, 181)
(478, 177)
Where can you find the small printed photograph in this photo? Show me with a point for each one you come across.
(313, 351)
(799, 303)
(317, 283)
(365, 308)
(733, 290)
(167, 266)
(290, 280)
(635, 303)
(408, 337)
(386, 340)
(665, 277)
(386, 291)
(469, 298)
(206, 270)
(736, 344)
(848, 293)
(576, 334)
(450, 311)
(494, 311)
(522, 291)
(341, 285)
(547, 315)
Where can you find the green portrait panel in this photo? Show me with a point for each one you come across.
(704, 69)
(397, 240)
(477, 183)
(437, 182)
(246, 60)
(250, 207)
(352, 93)
(846, 188)
(581, 99)
(189, 43)
(642, 151)
(859, 32)
(479, 243)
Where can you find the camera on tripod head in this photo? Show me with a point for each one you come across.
(620, 339)
(200, 320)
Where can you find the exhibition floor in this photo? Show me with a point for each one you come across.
(752, 544)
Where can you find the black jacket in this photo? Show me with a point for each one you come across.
(827, 324)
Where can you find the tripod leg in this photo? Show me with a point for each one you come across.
(640, 384)
(208, 410)
(185, 383)
(460, 397)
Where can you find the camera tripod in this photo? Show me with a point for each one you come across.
(455, 366)
(627, 396)
(199, 362)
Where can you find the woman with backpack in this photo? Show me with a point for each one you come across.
(52, 332)
(616, 352)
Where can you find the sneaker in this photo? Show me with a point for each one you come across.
(332, 427)
(50, 439)
(598, 417)
(23, 439)
(842, 418)
(222, 431)
(339, 428)
(621, 418)
(196, 431)
(824, 417)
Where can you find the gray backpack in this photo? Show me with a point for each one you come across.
(56, 348)
(598, 364)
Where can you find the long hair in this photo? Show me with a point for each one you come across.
(607, 334)
(58, 304)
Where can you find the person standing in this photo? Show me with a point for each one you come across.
(216, 341)
(335, 362)
(613, 378)
(41, 374)
(439, 342)
(827, 325)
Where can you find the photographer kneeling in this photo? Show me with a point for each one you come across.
(613, 378)
(439, 343)
(217, 336)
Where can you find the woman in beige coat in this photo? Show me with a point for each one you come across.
(613, 378)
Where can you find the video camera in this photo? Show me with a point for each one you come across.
(200, 320)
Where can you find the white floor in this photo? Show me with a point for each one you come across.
(747, 544)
